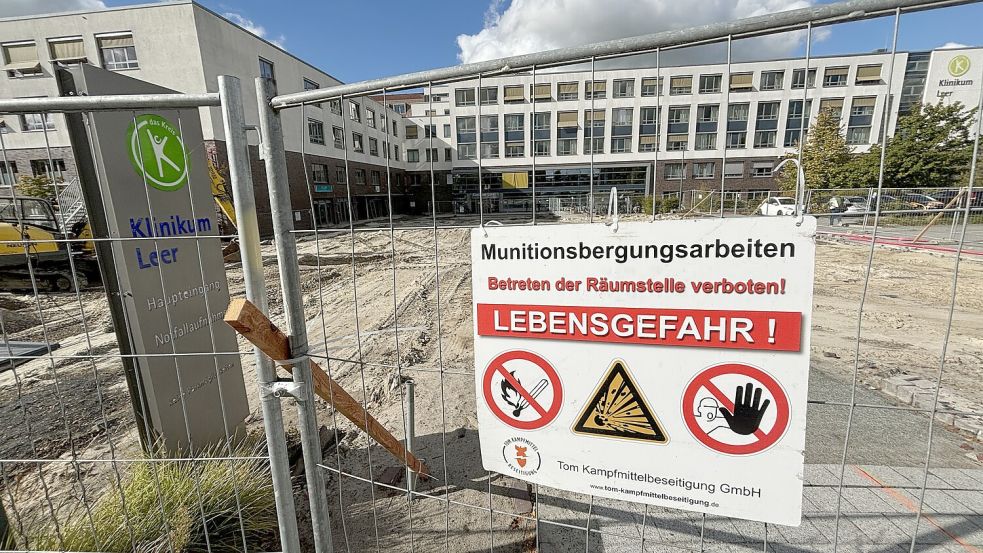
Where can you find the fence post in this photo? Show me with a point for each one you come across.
(275, 159)
(247, 225)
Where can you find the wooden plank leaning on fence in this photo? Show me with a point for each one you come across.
(940, 214)
(249, 321)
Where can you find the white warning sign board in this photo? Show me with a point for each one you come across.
(665, 363)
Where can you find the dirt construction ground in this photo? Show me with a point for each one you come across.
(373, 328)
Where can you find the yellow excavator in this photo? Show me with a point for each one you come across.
(29, 247)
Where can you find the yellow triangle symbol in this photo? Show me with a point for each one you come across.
(619, 410)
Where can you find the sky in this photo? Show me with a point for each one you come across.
(358, 40)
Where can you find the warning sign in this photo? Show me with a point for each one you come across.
(619, 410)
(523, 390)
(748, 420)
(665, 363)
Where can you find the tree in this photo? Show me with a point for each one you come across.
(932, 146)
(825, 154)
(36, 187)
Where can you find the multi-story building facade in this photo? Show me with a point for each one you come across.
(663, 130)
(185, 47)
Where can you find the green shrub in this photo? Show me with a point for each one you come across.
(163, 505)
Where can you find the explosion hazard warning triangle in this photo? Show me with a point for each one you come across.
(619, 410)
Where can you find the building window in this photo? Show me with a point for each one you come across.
(67, 51)
(311, 85)
(768, 111)
(432, 156)
(707, 113)
(354, 111)
(835, 76)
(118, 53)
(862, 107)
(703, 170)
(621, 117)
(373, 147)
(319, 173)
(832, 105)
(772, 80)
(315, 131)
(448, 156)
(21, 60)
(489, 124)
(738, 112)
(359, 176)
(514, 122)
(566, 91)
(762, 168)
(40, 168)
(8, 173)
(799, 78)
(706, 141)
(467, 151)
(869, 74)
(541, 148)
(488, 95)
(464, 97)
(595, 89)
(795, 110)
(357, 143)
(620, 145)
(594, 146)
(413, 156)
(593, 120)
(370, 118)
(649, 116)
(396, 152)
(736, 140)
(648, 143)
(376, 179)
(680, 85)
(466, 125)
(624, 88)
(541, 92)
(677, 142)
(765, 139)
(412, 131)
(335, 106)
(792, 137)
(430, 131)
(734, 169)
(742, 82)
(678, 114)
(339, 137)
(541, 121)
(340, 176)
(515, 149)
(858, 136)
(674, 171)
(566, 146)
(36, 122)
(710, 84)
(514, 94)
(652, 86)
(266, 69)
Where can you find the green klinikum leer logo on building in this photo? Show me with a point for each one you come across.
(157, 152)
(959, 66)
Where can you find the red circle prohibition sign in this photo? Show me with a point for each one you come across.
(546, 416)
(704, 380)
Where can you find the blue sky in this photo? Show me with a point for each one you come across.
(362, 40)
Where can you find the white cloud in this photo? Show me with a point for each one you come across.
(953, 45)
(12, 8)
(253, 28)
(527, 26)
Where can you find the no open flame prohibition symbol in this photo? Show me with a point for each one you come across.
(523, 390)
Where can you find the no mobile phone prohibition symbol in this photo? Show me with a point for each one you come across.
(736, 409)
(522, 389)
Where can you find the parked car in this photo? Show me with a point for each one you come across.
(944, 196)
(777, 205)
(921, 201)
(855, 206)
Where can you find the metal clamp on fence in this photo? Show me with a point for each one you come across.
(282, 388)
(613, 209)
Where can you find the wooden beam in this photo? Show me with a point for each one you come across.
(939, 214)
(249, 321)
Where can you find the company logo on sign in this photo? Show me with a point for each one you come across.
(157, 152)
(959, 66)
(522, 456)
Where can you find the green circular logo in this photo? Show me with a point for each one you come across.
(157, 152)
(959, 66)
